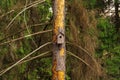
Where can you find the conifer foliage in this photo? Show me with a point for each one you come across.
(89, 32)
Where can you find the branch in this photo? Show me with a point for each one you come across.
(83, 50)
(32, 58)
(41, 24)
(6, 13)
(72, 54)
(34, 3)
(46, 23)
(25, 37)
(26, 25)
(18, 62)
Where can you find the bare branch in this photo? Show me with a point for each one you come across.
(35, 3)
(72, 54)
(6, 13)
(32, 58)
(83, 50)
(25, 37)
(41, 24)
(26, 25)
(24, 58)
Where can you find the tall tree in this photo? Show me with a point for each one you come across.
(117, 20)
(58, 41)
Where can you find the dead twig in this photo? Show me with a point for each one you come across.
(30, 59)
(35, 3)
(25, 37)
(72, 54)
(83, 50)
(2, 72)
(41, 24)
(6, 13)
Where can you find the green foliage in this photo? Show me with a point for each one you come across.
(67, 77)
(109, 48)
(45, 69)
(23, 67)
(107, 35)
(90, 3)
(24, 49)
(33, 75)
(100, 4)
(6, 4)
(45, 11)
(113, 67)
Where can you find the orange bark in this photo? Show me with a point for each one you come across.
(58, 73)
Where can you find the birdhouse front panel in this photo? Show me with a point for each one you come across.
(60, 39)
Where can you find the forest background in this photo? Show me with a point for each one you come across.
(92, 39)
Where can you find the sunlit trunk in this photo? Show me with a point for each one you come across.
(58, 68)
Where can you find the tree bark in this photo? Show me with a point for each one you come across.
(117, 20)
(58, 68)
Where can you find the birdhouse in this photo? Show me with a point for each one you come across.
(60, 39)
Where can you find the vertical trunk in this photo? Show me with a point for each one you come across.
(117, 20)
(58, 68)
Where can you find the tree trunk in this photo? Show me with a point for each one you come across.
(58, 68)
(117, 20)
